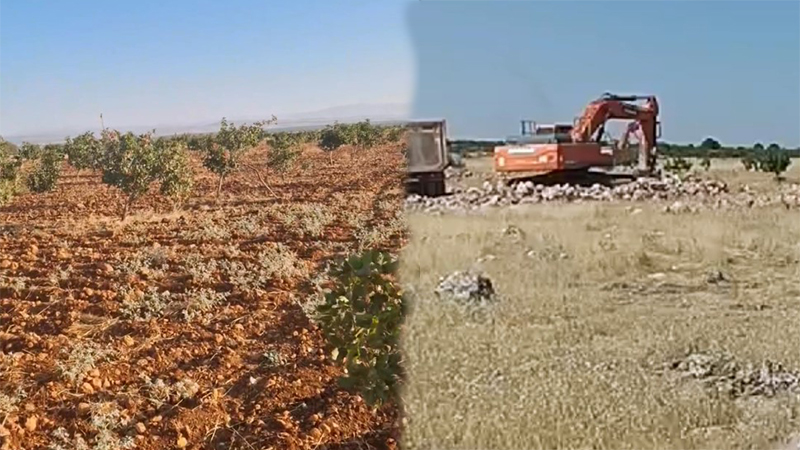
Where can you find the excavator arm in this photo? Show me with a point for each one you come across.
(610, 107)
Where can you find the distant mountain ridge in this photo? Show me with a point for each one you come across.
(379, 113)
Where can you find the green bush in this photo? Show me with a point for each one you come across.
(85, 151)
(283, 151)
(773, 160)
(9, 174)
(677, 165)
(749, 163)
(222, 152)
(44, 176)
(175, 173)
(132, 163)
(29, 151)
(361, 319)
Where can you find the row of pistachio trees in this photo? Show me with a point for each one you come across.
(132, 162)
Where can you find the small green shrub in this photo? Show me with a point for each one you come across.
(44, 176)
(773, 160)
(677, 165)
(361, 318)
(175, 173)
(9, 175)
(223, 151)
(86, 152)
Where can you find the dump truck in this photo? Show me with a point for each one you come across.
(427, 157)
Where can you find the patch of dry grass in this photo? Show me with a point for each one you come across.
(573, 353)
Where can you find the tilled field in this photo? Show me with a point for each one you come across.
(188, 328)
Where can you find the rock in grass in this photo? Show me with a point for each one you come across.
(466, 287)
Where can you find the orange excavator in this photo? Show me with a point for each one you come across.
(547, 149)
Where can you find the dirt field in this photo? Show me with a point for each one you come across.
(187, 327)
(615, 325)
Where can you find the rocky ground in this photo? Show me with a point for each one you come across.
(677, 194)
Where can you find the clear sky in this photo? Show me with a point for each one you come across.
(727, 69)
(151, 62)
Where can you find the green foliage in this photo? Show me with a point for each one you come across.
(774, 161)
(710, 144)
(175, 173)
(10, 163)
(283, 152)
(132, 163)
(333, 136)
(361, 134)
(677, 165)
(85, 151)
(222, 151)
(749, 162)
(47, 170)
(361, 319)
(7, 148)
(29, 151)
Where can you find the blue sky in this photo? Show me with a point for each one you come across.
(727, 69)
(149, 62)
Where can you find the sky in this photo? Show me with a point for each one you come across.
(725, 69)
(149, 62)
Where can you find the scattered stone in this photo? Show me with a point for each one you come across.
(466, 287)
(725, 374)
(30, 423)
(715, 276)
(680, 195)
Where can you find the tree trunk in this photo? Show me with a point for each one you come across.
(261, 179)
(219, 185)
(126, 208)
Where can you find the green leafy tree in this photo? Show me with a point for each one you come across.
(749, 162)
(283, 152)
(361, 319)
(677, 165)
(331, 138)
(47, 170)
(758, 146)
(86, 151)
(710, 144)
(175, 172)
(29, 151)
(773, 147)
(773, 161)
(10, 162)
(131, 164)
(223, 151)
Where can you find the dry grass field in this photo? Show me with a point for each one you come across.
(616, 326)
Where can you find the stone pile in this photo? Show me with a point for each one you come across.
(678, 193)
(466, 287)
(724, 373)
